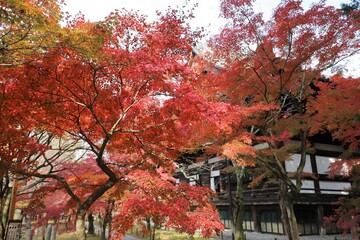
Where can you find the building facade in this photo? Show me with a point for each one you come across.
(317, 198)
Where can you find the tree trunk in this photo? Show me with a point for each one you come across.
(48, 232)
(149, 228)
(67, 222)
(28, 232)
(43, 230)
(148, 224)
(102, 223)
(152, 233)
(239, 210)
(36, 234)
(106, 222)
(2, 230)
(53, 232)
(110, 221)
(103, 229)
(91, 229)
(286, 203)
(80, 225)
(5, 213)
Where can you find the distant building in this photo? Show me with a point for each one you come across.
(262, 212)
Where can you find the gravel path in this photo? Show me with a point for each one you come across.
(259, 236)
(262, 236)
(128, 238)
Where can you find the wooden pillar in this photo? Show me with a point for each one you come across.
(315, 172)
(320, 219)
(254, 216)
(231, 207)
(13, 199)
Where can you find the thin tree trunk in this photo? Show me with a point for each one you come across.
(2, 231)
(28, 232)
(149, 228)
(288, 217)
(102, 223)
(103, 231)
(148, 224)
(239, 210)
(48, 232)
(53, 232)
(43, 230)
(91, 229)
(67, 222)
(110, 221)
(106, 222)
(108, 218)
(5, 214)
(152, 233)
(80, 225)
(36, 234)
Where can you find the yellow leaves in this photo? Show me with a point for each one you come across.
(83, 39)
(45, 11)
(28, 27)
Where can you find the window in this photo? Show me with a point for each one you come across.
(332, 187)
(193, 179)
(292, 165)
(248, 223)
(307, 221)
(270, 221)
(225, 218)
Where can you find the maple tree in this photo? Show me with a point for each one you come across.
(271, 69)
(100, 110)
(346, 216)
(344, 125)
(27, 28)
(156, 198)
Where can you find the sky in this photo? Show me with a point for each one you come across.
(206, 14)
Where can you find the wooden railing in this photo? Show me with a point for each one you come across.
(270, 195)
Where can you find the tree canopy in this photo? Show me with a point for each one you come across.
(104, 101)
(103, 110)
(274, 70)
